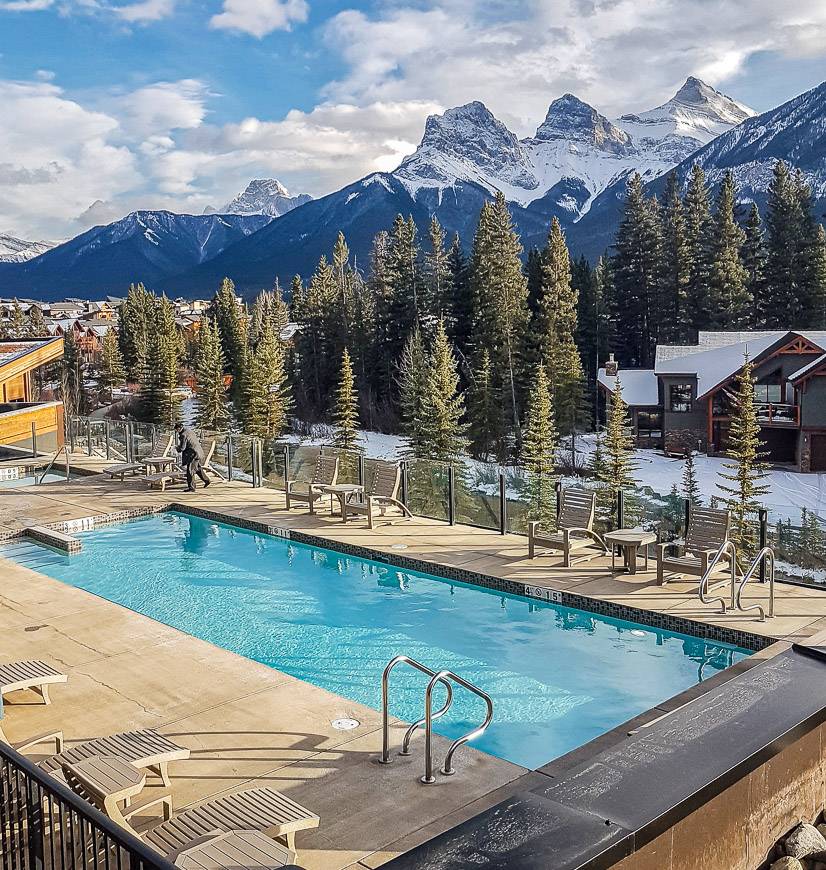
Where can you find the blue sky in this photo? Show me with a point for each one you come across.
(177, 103)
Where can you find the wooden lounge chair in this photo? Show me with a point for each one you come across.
(325, 474)
(383, 493)
(708, 529)
(140, 748)
(121, 469)
(34, 675)
(576, 527)
(176, 475)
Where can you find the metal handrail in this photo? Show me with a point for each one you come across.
(726, 546)
(766, 553)
(63, 449)
(385, 704)
(447, 767)
(405, 750)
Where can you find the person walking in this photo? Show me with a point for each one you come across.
(192, 455)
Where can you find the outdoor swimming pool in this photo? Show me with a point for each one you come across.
(558, 676)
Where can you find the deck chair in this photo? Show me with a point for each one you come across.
(121, 469)
(708, 529)
(383, 493)
(176, 475)
(575, 527)
(325, 474)
(34, 675)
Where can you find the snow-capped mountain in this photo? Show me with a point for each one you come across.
(266, 196)
(14, 250)
(148, 246)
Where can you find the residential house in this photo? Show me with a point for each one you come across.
(686, 401)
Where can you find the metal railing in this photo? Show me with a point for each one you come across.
(64, 449)
(703, 588)
(45, 826)
(444, 677)
(765, 556)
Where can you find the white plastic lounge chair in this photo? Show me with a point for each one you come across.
(325, 474)
(575, 527)
(34, 675)
(121, 469)
(708, 529)
(383, 493)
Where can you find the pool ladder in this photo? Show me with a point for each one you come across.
(444, 677)
(736, 591)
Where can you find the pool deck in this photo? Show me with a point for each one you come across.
(248, 724)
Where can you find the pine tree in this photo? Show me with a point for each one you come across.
(753, 255)
(228, 316)
(380, 289)
(691, 488)
(781, 302)
(36, 325)
(729, 279)
(412, 381)
(539, 448)
(405, 280)
(810, 254)
(484, 411)
(111, 371)
(345, 408)
(636, 271)
(817, 267)
(444, 406)
(17, 321)
(72, 377)
(500, 287)
(619, 466)
(316, 361)
(268, 416)
(699, 243)
(212, 406)
(340, 311)
(135, 323)
(438, 296)
(675, 326)
(464, 308)
(746, 472)
(158, 396)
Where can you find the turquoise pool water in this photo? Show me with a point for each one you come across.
(558, 676)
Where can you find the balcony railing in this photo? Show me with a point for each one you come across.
(770, 414)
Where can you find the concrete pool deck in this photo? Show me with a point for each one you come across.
(249, 724)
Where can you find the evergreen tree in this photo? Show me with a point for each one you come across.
(698, 225)
(36, 325)
(227, 314)
(412, 381)
(340, 311)
(462, 319)
(539, 448)
(444, 406)
(111, 371)
(72, 377)
(618, 464)
(500, 287)
(746, 472)
(313, 342)
(380, 289)
(817, 277)
(158, 397)
(363, 342)
(484, 411)
(403, 271)
(212, 407)
(691, 488)
(753, 255)
(345, 408)
(811, 256)
(781, 304)
(135, 322)
(17, 321)
(729, 279)
(675, 325)
(438, 295)
(636, 271)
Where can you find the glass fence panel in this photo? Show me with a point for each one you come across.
(530, 497)
(242, 458)
(348, 463)
(427, 489)
(662, 514)
(273, 464)
(477, 494)
(148, 440)
(117, 440)
(800, 549)
(302, 462)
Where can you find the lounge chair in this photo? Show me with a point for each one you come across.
(121, 469)
(383, 493)
(259, 809)
(708, 529)
(575, 527)
(176, 475)
(34, 675)
(324, 474)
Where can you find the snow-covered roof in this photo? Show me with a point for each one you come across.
(13, 350)
(639, 386)
(807, 368)
(721, 339)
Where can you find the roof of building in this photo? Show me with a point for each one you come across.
(800, 373)
(639, 386)
(14, 351)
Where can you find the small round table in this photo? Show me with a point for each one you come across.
(342, 491)
(629, 541)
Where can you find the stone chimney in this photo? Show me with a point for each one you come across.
(611, 367)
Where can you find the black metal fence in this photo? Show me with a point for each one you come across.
(45, 826)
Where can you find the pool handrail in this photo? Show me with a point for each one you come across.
(766, 553)
(729, 547)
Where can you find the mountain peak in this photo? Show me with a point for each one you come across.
(571, 119)
(266, 196)
(698, 95)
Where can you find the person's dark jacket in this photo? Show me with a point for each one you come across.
(189, 445)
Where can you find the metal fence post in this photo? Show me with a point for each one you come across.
(106, 429)
(763, 514)
(130, 452)
(286, 463)
(451, 495)
(687, 513)
(361, 469)
(34, 439)
(620, 508)
(503, 505)
(558, 488)
(88, 437)
(404, 482)
(229, 457)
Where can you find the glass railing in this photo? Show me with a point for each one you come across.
(427, 489)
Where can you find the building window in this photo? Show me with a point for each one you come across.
(679, 398)
(767, 393)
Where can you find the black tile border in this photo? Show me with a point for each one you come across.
(664, 621)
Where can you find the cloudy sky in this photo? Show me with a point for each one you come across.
(112, 105)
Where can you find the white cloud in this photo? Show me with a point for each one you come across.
(145, 10)
(259, 17)
(26, 5)
(163, 106)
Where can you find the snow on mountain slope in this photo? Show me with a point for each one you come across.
(14, 250)
(576, 152)
(266, 196)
